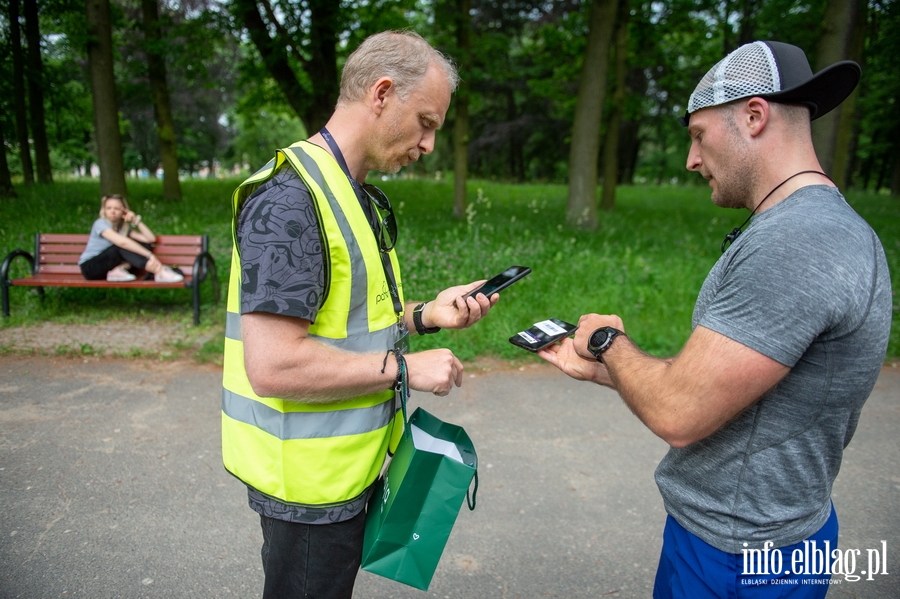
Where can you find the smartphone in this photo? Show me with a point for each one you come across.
(501, 281)
(543, 334)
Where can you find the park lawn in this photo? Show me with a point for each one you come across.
(645, 262)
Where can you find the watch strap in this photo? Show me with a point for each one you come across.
(417, 321)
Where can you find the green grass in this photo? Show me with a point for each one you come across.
(645, 262)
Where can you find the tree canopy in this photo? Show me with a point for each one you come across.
(245, 76)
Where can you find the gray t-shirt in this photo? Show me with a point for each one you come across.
(806, 284)
(96, 242)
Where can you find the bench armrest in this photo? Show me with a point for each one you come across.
(5, 266)
(4, 276)
(204, 266)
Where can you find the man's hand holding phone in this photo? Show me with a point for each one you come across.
(572, 356)
(454, 308)
(462, 306)
(437, 371)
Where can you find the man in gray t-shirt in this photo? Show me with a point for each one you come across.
(790, 332)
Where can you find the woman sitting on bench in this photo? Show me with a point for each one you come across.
(118, 239)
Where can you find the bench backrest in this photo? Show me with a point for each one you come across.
(59, 253)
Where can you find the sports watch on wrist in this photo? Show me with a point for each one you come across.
(600, 341)
(417, 321)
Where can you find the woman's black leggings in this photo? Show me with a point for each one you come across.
(95, 269)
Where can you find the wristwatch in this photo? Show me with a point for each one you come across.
(600, 341)
(417, 321)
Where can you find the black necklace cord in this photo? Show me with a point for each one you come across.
(735, 233)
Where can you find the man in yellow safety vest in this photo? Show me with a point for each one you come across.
(317, 324)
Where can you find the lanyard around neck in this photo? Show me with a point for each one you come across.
(338, 155)
(357, 188)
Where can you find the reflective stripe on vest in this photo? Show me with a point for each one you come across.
(307, 425)
(316, 454)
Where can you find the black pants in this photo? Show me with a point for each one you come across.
(311, 561)
(95, 269)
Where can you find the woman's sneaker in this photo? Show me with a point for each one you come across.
(119, 274)
(167, 275)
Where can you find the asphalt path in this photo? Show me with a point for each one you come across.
(111, 486)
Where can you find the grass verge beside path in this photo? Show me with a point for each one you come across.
(645, 262)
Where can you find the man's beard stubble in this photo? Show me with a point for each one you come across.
(382, 142)
(736, 188)
(737, 183)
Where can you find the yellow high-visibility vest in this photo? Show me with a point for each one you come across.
(316, 454)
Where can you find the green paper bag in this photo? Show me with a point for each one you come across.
(414, 506)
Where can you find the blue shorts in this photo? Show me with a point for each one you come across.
(690, 568)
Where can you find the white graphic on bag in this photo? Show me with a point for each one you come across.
(415, 536)
(386, 494)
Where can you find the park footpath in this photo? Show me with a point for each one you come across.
(111, 486)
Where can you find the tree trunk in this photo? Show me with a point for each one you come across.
(661, 151)
(846, 133)
(868, 164)
(516, 137)
(582, 206)
(895, 176)
(885, 165)
(275, 57)
(322, 66)
(103, 93)
(165, 124)
(21, 106)
(629, 142)
(461, 121)
(611, 146)
(747, 32)
(834, 45)
(729, 39)
(36, 94)
(629, 146)
(6, 187)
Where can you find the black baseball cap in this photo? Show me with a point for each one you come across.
(775, 71)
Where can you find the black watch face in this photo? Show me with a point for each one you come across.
(598, 338)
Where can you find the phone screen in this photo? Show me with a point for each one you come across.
(543, 334)
(501, 281)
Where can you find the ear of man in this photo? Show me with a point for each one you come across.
(756, 113)
(381, 92)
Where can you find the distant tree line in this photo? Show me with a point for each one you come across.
(576, 91)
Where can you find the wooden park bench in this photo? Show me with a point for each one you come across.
(55, 264)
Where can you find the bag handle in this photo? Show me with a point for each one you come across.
(402, 386)
(403, 389)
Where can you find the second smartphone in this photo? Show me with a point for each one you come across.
(501, 281)
(543, 334)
